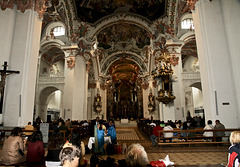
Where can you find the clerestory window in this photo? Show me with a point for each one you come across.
(187, 24)
(59, 31)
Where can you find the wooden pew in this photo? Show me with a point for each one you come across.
(199, 139)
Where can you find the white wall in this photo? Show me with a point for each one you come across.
(55, 100)
(21, 43)
(197, 97)
(216, 42)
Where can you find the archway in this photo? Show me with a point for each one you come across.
(54, 106)
(49, 103)
(124, 95)
(198, 100)
(192, 80)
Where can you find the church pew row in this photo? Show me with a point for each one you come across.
(199, 139)
(196, 140)
(84, 132)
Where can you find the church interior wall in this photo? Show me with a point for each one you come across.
(168, 112)
(197, 98)
(79, 89)
(68, 92)
(177, 91)
(6, 32)
(217, 77)
(23, 56)
(230, 16)
(55, 100)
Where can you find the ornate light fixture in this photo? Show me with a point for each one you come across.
(164, 72)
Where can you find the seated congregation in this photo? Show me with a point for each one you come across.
(189, 132)
(27, 149)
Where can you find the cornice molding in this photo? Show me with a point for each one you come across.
(36, 5)
(191, 3)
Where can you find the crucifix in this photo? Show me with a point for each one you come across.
(3, 74)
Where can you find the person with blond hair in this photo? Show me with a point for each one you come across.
(234, 150)
(136, 156)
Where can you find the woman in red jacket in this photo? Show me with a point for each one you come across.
(35, 152)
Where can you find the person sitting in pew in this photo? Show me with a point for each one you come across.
(13, 147)
(155, 134)
(35, 151)
(167, 135)
(208, 134)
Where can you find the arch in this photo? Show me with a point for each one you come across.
(117, 56)
(114, 19)
(197, 85)
(51, 25)
(43, 99)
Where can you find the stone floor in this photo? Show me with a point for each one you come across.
(184, 155)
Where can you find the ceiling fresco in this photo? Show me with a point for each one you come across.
(92, 10)
(123, 32)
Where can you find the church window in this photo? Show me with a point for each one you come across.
(59, 31)
(187, 24)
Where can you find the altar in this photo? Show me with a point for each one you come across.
(124, 121)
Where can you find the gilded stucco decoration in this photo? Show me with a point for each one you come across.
(22, 5)
(71, 62)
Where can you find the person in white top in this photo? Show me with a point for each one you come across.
(209, 134)
(168, 135)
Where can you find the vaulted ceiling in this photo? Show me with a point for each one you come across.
(92, 10)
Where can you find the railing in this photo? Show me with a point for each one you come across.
(191, 76)
(51, 80)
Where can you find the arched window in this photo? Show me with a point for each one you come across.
(59, 31)
(187, 24)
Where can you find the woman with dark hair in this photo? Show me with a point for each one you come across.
(13, 147)
(100, 130)
(35, 152)
(55, 143)
(76, 141)
(184, 127)
(112, 132)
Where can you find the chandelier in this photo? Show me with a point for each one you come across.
(164, 72)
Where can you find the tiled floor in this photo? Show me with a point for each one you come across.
(211, 155)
